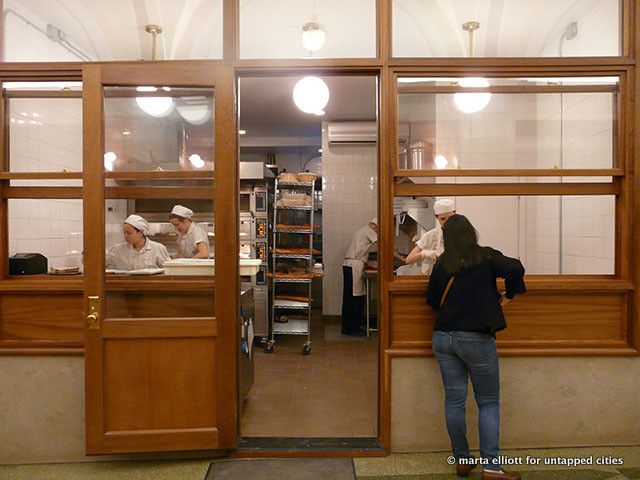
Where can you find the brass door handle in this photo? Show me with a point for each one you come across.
(93, 319)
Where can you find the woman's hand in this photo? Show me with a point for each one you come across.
(503, 299)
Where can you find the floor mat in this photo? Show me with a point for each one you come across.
(283, 469)
(529, 475)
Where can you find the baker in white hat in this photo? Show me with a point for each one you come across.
(137, 251)
(353, 291)
(193, 241)
(431, 244)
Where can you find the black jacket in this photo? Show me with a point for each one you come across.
(473, 301)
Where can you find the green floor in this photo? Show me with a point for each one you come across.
(416, 466)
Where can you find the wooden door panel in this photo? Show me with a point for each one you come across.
(139, 371)
(161, 352)
(159, 304)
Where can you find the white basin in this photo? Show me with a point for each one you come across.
(206, 266)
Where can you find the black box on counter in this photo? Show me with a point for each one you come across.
(27, 264)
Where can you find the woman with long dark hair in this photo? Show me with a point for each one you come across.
(462, 288)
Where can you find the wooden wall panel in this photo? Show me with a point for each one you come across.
(132, 304)
(139, 371)
(535, 319)
(51, 317)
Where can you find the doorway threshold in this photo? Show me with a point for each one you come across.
(363, 445)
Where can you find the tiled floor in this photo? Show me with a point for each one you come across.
(434, 466)
(407, 466)
(332, 392)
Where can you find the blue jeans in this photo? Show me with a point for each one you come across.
(469, 354)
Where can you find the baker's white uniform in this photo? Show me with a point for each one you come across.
(357, 256)
(125, 257)
(187, 241)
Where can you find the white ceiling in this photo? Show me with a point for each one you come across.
(114, 29)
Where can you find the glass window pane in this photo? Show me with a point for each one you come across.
(514, 28)
(549, 234)
(52, 228)
(160, 229)
(524, 129)
(44, 31)
(274, 28)
(158, 129)
(45, 134)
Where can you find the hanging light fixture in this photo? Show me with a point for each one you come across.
(154, 106)
(313, 35)
(311, 95)
(194, 110)
(472, 102)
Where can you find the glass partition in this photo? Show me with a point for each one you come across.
(45, 128)
(158, 129)
(524, 123)
(52, 228)
(550, 234)
(514, 28)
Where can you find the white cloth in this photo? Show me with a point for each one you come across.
(125, 257)
(357, 256)
(444, 205)
(432, 240)
(138, 222)
(182, 211)
(187, 241)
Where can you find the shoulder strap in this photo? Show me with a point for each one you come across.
(446, 290)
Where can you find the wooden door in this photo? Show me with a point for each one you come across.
(160, 350)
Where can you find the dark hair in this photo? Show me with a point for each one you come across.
(180, 218)
(461, 249)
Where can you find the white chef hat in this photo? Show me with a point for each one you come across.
(444, 205)
(374, 220)
(182, 211)
(138, 222)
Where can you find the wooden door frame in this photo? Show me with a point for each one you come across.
(188, 74)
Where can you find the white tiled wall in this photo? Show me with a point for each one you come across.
(350, 198)
(46, 136)
(585, 237)
(582, 241)
(116, 212)
(526, 131)
(50, 227)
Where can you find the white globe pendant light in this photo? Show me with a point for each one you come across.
(311, 94)
(194, 113)
(313, 35)
(472, 102)
(154, 106)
